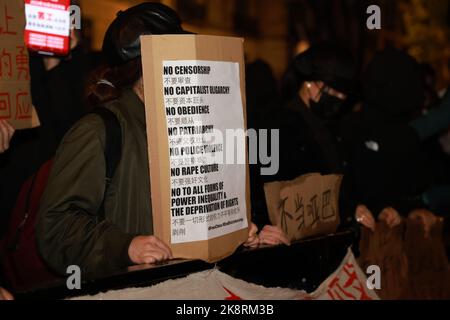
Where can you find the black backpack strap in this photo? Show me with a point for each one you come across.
(113, 148)
(113, 140)
(15, 244)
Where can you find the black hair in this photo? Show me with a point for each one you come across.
(107, 83)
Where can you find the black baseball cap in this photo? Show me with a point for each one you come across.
(330, 64)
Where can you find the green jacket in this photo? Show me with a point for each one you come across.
(68, 231)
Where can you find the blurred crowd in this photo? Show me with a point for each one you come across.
(383, 128)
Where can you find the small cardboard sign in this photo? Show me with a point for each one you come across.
(194, 96)
(15, 95)
(306, 206)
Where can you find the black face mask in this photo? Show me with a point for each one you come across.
(327, 107)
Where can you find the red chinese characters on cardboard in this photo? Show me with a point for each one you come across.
(15, 96)
(306, 206)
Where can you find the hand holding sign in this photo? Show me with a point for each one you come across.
(253, 239)
(148, 250)
(272, 235)
(389, 215)
(195, 103)
(365, 217)
(5, 295)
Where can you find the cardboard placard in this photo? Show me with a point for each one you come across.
(306, 206)
(15, 95)
(194, 88)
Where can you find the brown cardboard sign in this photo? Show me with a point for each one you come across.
(306, 206)
(384, 248)
(194, 97)
(15, 95)
(428, 265)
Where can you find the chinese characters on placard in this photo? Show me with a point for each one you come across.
(201, 99)
(15, 100)
(307, 211)
(347, 286)
(6, 20)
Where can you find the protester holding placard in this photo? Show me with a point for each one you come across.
(365, 217)
(117, 240)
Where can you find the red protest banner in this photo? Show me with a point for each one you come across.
(48, 26)
(348, 282)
